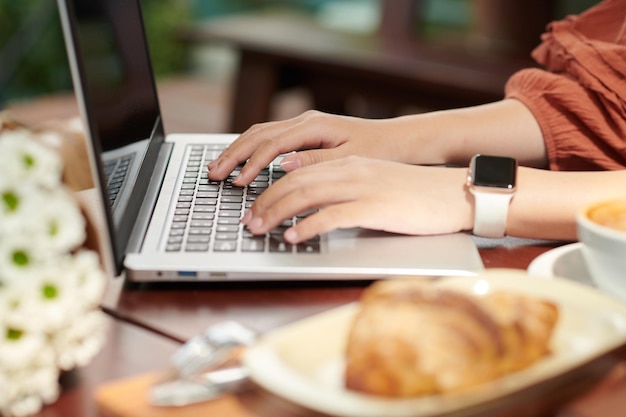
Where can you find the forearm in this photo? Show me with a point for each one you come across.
(453, 136)
(547, 202)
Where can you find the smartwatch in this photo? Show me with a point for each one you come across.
(491, 180)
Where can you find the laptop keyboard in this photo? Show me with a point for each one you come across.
(207, 213)
(115, 171)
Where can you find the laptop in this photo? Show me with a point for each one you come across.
(162, 214)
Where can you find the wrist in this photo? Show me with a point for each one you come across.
(431, 137)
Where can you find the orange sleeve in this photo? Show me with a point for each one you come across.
(579, 99)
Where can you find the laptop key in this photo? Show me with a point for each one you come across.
(198, 238)
(308, 247)
(230, 206)
(204, 209)
(213, 188)
(230, 213)
(227, 228)
(231, 198)
(232, 191)
(253, 244)
(225, 246)
(201, 224)
(279, 245)
(227, 220)
(207, 195)
(202, 216)
(200, 231)
(226, 236)
(173, 247)
(197, 247)
(206, 200)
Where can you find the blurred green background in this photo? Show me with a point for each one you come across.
(32, 54)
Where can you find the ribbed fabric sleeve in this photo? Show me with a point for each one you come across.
(579, 99)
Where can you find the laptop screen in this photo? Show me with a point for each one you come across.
(117, 70)
(114, 84)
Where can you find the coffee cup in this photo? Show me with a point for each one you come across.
(601, 229)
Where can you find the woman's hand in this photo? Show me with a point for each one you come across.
(320, 136)
(506, 128)
(369, 193)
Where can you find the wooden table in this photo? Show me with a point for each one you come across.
(147, 324)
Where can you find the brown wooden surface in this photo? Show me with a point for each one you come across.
(262, 306)
(149, 323)
(129, 398)
(148, 319)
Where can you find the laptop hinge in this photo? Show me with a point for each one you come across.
(152, 193)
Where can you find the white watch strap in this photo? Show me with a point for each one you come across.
(490, 213)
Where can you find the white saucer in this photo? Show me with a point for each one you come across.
(565, 261)
(295, 363)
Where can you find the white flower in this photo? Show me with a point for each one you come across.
(24, 159)
(11, 312)
(59, 225)
(78, 342)
(90, 278)
(50, 289)
(50, 297)
(17, 203)
(51, 218)
(24, 391)
(20, 349)
(20, 258)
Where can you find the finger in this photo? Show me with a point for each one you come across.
(257, 147)
(239, 150)
(292, 198)
(263, 142)
(338, 216)
(294, 134)
(300, 159)
(304, 179)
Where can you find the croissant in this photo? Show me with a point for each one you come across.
(412, 338)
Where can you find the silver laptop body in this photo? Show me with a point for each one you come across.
(148, 236)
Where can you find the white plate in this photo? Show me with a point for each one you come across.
(565, 261)
(303, 362)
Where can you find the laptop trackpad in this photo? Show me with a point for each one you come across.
(370, 248)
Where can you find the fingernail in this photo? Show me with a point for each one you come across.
(289, 164)
(213, 164)
(291, 235)
(255, 223)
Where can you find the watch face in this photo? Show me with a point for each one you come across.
(494, 171)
